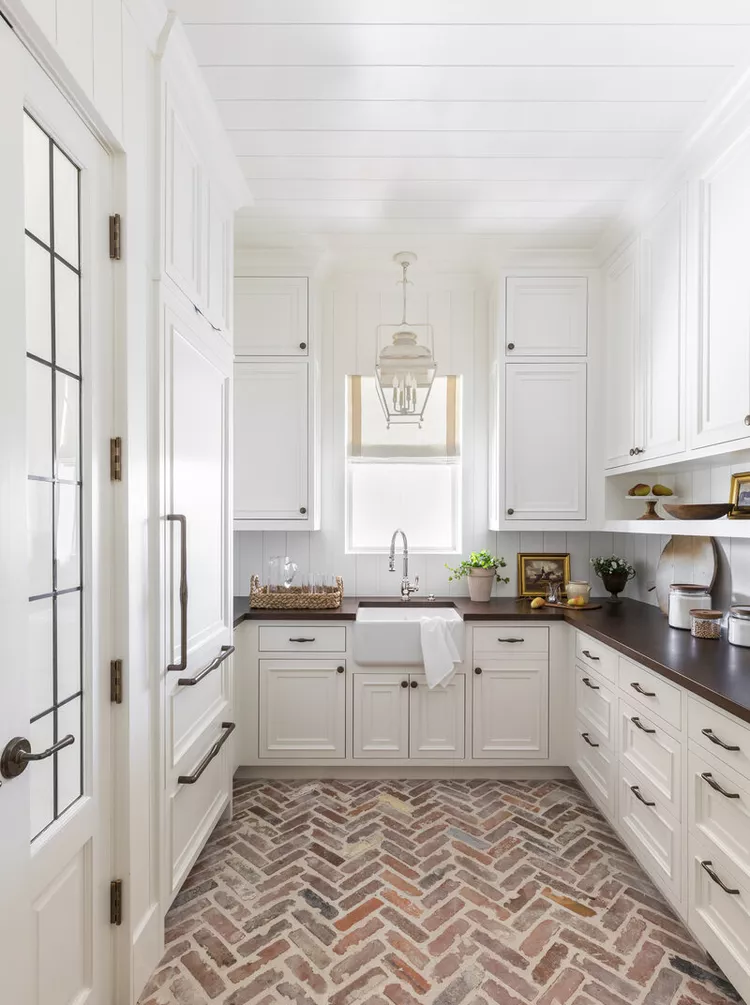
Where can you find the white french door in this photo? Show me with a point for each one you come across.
(56, 550)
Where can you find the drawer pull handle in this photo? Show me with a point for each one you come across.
(646, 694)
(637, 722)
(340, 669)
(302, 640)
(718, 741)
(588, 656)
(511, 640)
(639, 795)
(727, 889)
(708, 777)
(228, 728)
(588, 740)
(587, 682)
(215, 662)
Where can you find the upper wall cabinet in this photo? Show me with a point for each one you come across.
(623, 425)
(723, 363)
(546, 316)
(271, 316)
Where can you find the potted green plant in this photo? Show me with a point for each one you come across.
(480, 569)
(614, 573)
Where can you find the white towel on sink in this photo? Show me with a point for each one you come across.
(442, 645)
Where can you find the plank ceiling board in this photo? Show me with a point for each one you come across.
(476, 119)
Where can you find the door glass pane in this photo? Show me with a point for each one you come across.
(53, 338)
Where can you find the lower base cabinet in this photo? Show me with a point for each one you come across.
(510, 709)
(398, 716)
(302, 708)
(596, 767)
(653, 834)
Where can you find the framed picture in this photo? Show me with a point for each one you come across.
(536, 571)
(739, 496)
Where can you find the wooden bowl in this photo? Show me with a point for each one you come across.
(697, 511)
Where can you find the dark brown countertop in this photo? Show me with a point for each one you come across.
(716, 671)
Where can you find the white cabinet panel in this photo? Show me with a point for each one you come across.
(652, 833)
(596, 705)
(381, 715)
(651, 691)
(183, 197)
(311, 638)
(595, 767)
(546, 316)
(510, 710)
(436, 718)
(723, 365)
(545, 441)
(650, 752)
(661, 342)
(599, 657)
(512, 640)
(218, 251)
(271, 441)
(302, 708)
(623, 426)
(271, 317)
(720, 734)
(719, 810)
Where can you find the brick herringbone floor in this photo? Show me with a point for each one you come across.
(410, 892)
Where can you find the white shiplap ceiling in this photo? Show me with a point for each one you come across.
(525, 122)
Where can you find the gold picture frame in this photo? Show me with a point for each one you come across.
(739, 496)
(535, 570)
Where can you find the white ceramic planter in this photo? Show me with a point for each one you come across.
(481, 582)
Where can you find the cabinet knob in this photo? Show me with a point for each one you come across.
(511, 511)
(639, 450)
(404, 683)
(511, 346)
(340, 669)
(632, 451)
(477, 670)
(303, 509)
(413, 684)
(303, 345)
(747, 420)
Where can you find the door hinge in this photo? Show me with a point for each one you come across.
(115, 238)
(115, 902)
(115, 459)
(115, 682)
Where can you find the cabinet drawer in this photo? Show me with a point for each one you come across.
(593, 654)
(652, 833)
(651, 691)
(192, 708)
(719, 810)
(723, 736)
(308, 639)
(720, 919)
(596, 704)
(513, 641)
(649, 751)
(595, 767)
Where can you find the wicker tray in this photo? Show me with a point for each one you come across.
(294, 599)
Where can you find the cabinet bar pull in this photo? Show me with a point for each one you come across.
(639, 795)
(646, 694)
(587, 682)
(718, 741)
(302, 640)
(182, 521)
(228, 728)
(637, 722)
(588, 740)
(511, 640)
(215, 662)
(708, 777)
(588, 656)
(727, 889)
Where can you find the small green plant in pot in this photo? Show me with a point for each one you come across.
(614, 573)
(480, 570)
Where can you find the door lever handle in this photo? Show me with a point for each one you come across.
(17, 754)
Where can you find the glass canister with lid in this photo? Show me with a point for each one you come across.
(684, 598)
(738, 630)
(705, 624)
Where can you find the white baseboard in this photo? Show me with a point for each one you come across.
(500, 773)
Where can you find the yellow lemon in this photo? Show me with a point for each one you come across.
(537, 602)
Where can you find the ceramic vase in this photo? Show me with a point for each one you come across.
(481, 582)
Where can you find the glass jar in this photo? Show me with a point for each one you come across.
(705, 624)
(578, 588)
(738, 628)
(683, 598)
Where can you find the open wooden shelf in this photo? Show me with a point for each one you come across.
(668, 528)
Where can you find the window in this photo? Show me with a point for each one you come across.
(406, 476)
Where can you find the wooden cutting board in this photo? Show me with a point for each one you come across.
(567, 607)
(685, 560)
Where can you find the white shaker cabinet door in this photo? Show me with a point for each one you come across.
(271, 441)
(510, 710)
(271, 316)
(622, 408)
(723, 364)
(436, 718)
(183, 197)
(302, 708)
(546, 315)
(545, 441)
(381, 715)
